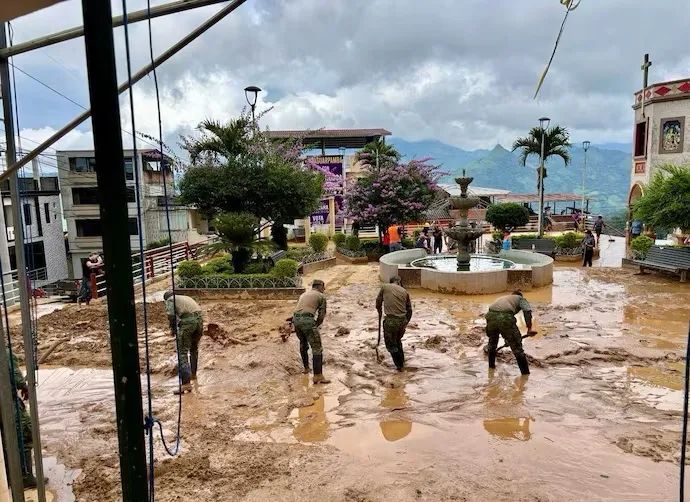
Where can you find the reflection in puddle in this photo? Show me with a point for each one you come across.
(509, 428)
(395, 430)
(313, 424)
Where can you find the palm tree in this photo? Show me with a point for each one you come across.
(378, 149)
(228, 140)
(556, 144)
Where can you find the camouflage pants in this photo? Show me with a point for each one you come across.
(189, 331)
(393, 331)
(503, 323)
(308, 334)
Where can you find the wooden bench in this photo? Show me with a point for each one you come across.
(667, 259)
(542, 246)
(274, 257)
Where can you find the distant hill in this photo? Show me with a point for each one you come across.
(608, 170)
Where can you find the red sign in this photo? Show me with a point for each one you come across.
(639, 167)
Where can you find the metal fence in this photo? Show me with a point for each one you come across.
(246, 282)
(314, 257)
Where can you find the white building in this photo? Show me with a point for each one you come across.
(80, 203)
(46, 256)
(662, 131)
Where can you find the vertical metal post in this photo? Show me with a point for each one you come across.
(9, 425)
(112, 192)
(22, 278)
(541, 187)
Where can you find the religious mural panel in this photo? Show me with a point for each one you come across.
(671, 135)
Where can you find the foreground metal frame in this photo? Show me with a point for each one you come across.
(104, 92)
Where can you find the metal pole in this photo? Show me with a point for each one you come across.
(9, 424)
(124, 86)
(22, 279)
(134, 17)
(112, 193)
(584, 177)
(541, 188)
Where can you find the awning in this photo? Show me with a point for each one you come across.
(10, 9)
(332, 138)
(549, 197)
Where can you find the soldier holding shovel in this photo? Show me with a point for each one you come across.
(500, 320)
(395, 301)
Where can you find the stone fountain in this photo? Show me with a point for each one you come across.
(461, 232)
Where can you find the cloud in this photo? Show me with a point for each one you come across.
(461, 72)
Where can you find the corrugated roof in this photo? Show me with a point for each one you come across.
(10, 9)
(454, 190)
(549, 197)
(328, 133)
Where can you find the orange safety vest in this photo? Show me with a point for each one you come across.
(393, 235)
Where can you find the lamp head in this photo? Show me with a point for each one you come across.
(544, 123)
(251, 93)
(585, 145)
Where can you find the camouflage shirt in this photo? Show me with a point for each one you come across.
(511, 303)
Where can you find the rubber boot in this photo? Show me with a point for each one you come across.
(185, 388)
(29, 479)
(304, 352)
(492, 359)
(398, 360)
(194, 362)
(318, 370)
(522, 364)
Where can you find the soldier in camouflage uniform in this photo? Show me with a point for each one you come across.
(21, 392)
(395, 300)
(500, 320)
(308, 316)
(190, 325)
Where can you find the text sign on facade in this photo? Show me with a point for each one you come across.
(320, 216)
(639, 167)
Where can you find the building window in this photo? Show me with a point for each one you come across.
(89, 228)
(89, 195)
(46, 208)
(84, 195)
(671, 133)
(27, 214)
(133, 227)
(82, 164)
(35, 255)
(129, 168)
(641, 139)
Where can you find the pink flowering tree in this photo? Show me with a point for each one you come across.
(397, 193)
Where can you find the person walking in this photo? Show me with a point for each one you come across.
(507, 242)
(185, 314)
(599, 225)
(500, 320)
(308, 316)
(438, 239)
(394, 301)
(588, 244)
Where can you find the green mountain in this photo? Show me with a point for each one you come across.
(607, 181)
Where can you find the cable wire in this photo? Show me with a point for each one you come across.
(684, 439)
(167, 216)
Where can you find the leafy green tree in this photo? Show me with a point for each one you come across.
(556, 144)
(279, 235)
(236, 168)
(398, 194)
(666, 200)
(507, 215)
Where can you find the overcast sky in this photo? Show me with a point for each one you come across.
(459, 71)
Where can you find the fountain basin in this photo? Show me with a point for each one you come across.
(492, 274)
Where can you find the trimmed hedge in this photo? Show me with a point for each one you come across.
(285, 268)
(641, 246)
(318, 242)
(189, 268)
(352, 243)
(218, 265)
(339, 239)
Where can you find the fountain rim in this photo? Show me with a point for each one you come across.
(514, 265)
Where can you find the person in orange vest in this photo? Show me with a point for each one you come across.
(394, 240)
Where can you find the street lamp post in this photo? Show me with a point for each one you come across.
(252, 93)
(585, 147)
(544, 125)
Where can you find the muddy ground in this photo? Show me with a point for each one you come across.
(598, 418)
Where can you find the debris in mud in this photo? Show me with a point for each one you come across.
(220, 335)
(285, 331)
(433, 342)
(342, 331)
